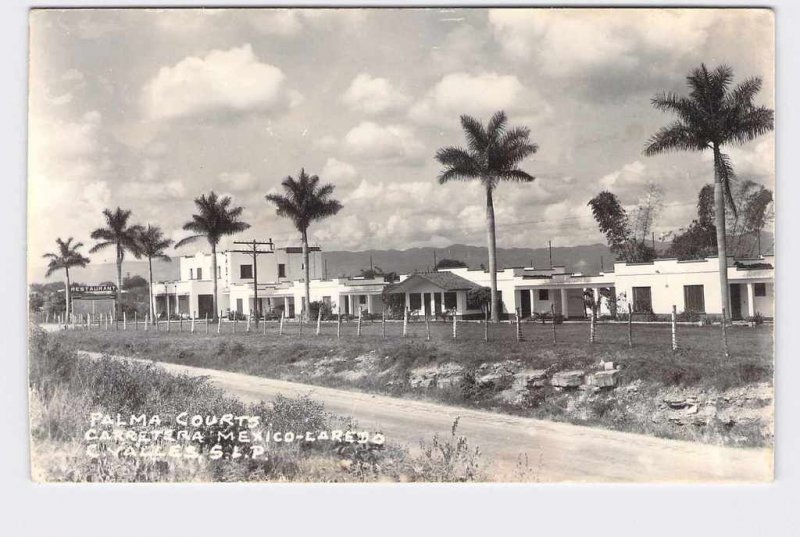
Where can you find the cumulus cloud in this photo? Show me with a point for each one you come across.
(386, 143)
(291, 22)
(630, 175)
(221, 82)
(373, 95)
(238, 181)
(569, 43)
(338, 172)
(462, 93)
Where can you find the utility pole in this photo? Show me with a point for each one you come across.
(435, 262)
(325, 273)
(254, 251)
(550, 252)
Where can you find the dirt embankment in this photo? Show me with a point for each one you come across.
(599, 395)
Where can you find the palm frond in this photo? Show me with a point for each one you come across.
(676, 136)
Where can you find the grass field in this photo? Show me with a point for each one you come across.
(699, 360)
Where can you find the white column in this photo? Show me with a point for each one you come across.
(596, 296)
(564, 304)
(433, 304)
(408, 300)
(751, 299)
(533, 301)
(286, 306)
(444, 308)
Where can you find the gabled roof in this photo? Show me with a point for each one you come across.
(446, 281)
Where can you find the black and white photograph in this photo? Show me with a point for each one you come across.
(401, 245)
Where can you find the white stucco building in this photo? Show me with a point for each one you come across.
(647, 287)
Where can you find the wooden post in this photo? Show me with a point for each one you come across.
(427, 328)
(338, 325)
(193, 325)
(674, 328)
(553, 320)
(135, 321)
(383, 323)
(146, 320)
(319, 319)
(405, 322)
(592, 325)
(206, 322)
(725, 335)
(47, 318)
(486, 325)
(169, 322)
(219, 324)
(630, 326)
(180, 322)
(300, 324)
(235, 321)
(157, 319)
(358, 331)
(249, 316)
(519, 327)
(264, 323)
(107, 320)
(124, 321)
(283, 315)
(455, 325)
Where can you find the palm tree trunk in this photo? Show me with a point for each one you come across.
(214, 275)
(722, 250)
(492, 255)
(307, 304)
(152, 296)
(119, 283)
(67, 296)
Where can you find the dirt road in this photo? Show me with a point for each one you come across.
(556, 452)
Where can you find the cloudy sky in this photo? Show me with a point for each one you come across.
(146, 109)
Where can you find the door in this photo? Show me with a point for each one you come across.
(205, 305)
(525, 303)
(736, 301)
(437, 303)
(239, 305)
(426, 299)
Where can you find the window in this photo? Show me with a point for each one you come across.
(450, 301)
(281, 270)
(415, 301)
(642, 300)
(693, 298)
(760, 289)
(246, 272)
(362, 299)
(239, 305)
(544, 294)
(199, 274)
(191, 274)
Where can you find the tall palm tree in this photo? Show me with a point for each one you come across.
(493, 154)
(216, 219)
(122, 237)
(712, 116)
(305, 201)
(66, 257)
(152, 245)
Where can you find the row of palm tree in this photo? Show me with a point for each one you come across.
(141, 241)
(305, 201)
(713, 115)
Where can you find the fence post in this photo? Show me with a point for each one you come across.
(592, 325)
(725, 335)
(486, 325)
(519, 327)
(674, 328)
(300, 324)
(338, 325)
(427, 328)
(124, 321)
(107, 321)
(264, 324)
(219, 324)
(553, 320)
(630, 326)
(319, 319)
(383, 323)
(180, 322)
(405, 322)
(157, 319)
(193, 317)
(358, 332)
(206, 322)
(249, 316)
(146, 321)
(283, 315)
(455, 325)
(235, 321)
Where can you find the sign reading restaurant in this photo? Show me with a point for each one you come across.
(104, 290)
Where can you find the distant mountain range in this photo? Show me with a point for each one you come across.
(585, 259)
